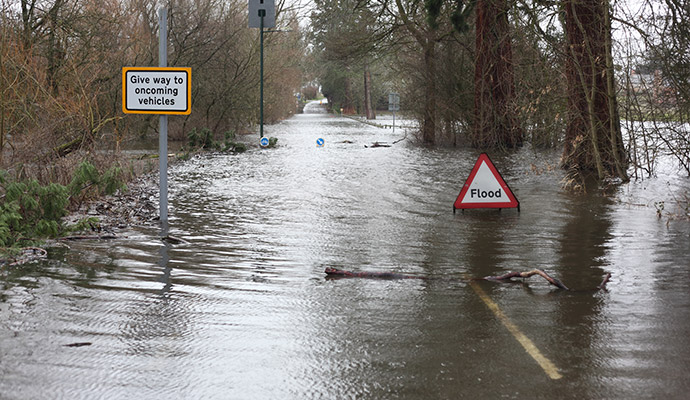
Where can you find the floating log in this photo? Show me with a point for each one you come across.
(367, 274)
(78, 344)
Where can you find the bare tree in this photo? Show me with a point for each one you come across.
(654, 76)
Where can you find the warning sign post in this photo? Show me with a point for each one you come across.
(156, 90)
(485, 188)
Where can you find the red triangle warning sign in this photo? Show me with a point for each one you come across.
(485, 188)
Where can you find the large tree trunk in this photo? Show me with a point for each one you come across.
(369, 108)
(429, 117)
(427, 41)
(593, 140)
(349, 104)
(495, 122)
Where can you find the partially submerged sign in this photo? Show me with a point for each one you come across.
(485, 188)
(157, 90)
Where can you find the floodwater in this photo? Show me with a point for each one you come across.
(245, 311)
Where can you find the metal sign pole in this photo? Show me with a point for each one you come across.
(163, 123)
(262, 14)
(394, 122)
(393, 105)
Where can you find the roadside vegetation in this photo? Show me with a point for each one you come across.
(61, 63)
(60, 94)
(31, 211)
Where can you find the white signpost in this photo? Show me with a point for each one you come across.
(393, 102)
(159, 90)
(393, 105)
(156, 90)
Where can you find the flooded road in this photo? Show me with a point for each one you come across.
(245, 311)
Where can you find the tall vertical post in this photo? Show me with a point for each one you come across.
(393, 121)
(163, 123)
(262, 14)
(393, 105)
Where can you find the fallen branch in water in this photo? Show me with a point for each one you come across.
(602, 285)
(27, 255)
(381, 275)
(35, 251)
(527, 274)
(174, 240)
(89, 237)
(549, 278)
(506, 277)
(377, 144)
(78, 344)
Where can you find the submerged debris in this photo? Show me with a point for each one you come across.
(173, 240)
(377, 144)
(527, 274)
(78, 344)
(90, 237)
(500, 278)
(25, 255)
(549, 278)
(381, 275)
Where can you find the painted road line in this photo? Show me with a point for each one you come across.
(546, 364)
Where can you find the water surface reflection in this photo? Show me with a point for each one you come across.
(244, 310)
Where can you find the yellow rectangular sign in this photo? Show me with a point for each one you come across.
(157, 90)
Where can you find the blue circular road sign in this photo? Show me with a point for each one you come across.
(263, 142)
(319, 142)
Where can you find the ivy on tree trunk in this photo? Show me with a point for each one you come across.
(495, 123)
(368, 106)
(593, 140)
(429, 118)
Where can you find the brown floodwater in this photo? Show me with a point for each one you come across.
(245, 311)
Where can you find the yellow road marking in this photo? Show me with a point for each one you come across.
(526, 343)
